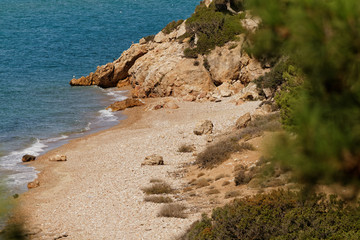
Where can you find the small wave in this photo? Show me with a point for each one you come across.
(35, 149)
(55, 139)
(116, 94)
(107, 115)
(87, 128)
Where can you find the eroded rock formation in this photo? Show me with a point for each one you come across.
(158, 68)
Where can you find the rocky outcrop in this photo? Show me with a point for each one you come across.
(33, 184)
(157, 67)
(28, 158)
(127, 103)
(111, 74)
(165, 72)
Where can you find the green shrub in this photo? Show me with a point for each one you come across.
(171, 26)
(280, 215)
(149, 38)
(190, 53)
(212, 27)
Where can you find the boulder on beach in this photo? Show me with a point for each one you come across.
(153, 160)
(33, 184)
(28, 158)
(243, 121)
(58, 158)
(204, 127)
(127, 103)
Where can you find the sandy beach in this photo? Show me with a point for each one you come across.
(96, 194)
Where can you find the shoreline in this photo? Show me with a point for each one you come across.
(97, 192)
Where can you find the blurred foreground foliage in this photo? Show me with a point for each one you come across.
(320, 96)
(280, 215)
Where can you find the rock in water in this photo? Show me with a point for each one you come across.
(153, 160)
(205, 127)
(28, 158)
(127, 103)
(243, 121)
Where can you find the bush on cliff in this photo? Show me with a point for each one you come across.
(171, 26)
(212, 28)
(279, 215)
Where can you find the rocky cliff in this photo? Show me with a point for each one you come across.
(157, 67)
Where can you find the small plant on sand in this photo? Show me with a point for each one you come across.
(156, 180)
(158, 188)
(225, 183)
(158, 199)
(201, 182)
(232, 194)
(200, 174)
(172, 210)
(212, 191)
(186, 148)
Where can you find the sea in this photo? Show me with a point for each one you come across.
(46, 43)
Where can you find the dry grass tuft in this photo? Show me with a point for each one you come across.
(156, 180)
(232, 194)
(220, 176)
(186, 148)
(158, 188)
(212, 191)
(172, 210)
(225, 183)
(200, 174)
(201, 182)
(158, 199)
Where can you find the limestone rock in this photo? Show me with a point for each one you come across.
(83, 81)
(243, 121)
(268, 93)
(28, 158)
(250, 92)
(171, 105)
(153, 160)
(164, 71)
(127, 60)
(110, 74)
(58, 158)
(204, 127)
(33, 184)
(229, 64)
(127, 103)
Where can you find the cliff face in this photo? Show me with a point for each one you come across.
(158, 68)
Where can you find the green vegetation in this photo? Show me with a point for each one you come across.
(212, 27)
(280, 215)
(171, 26)
(321, 38)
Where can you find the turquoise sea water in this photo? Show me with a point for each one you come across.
(43, 44)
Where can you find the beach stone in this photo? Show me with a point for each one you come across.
(171, 105)
(153, 160)
(267, 92)
(33, 184)
(127, 103)
(58, 158)
(204, 127)
(28, 158)
(243, 121)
